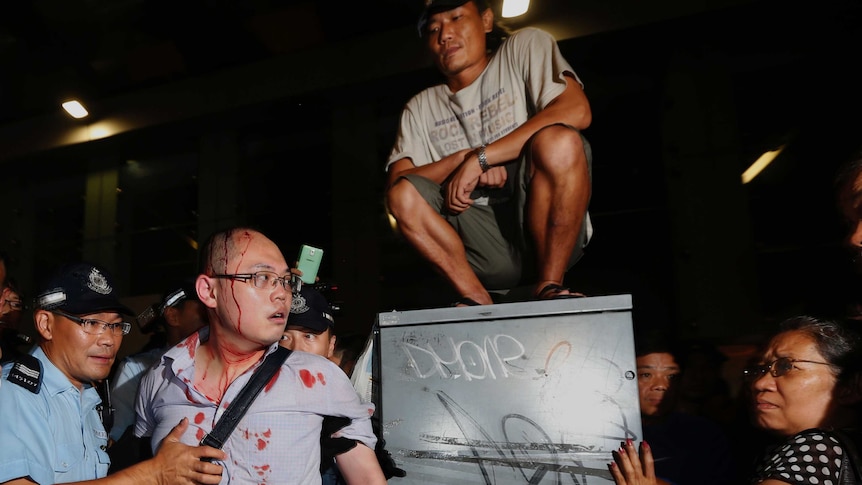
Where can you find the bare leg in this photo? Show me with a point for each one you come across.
(559, 193)
(435, 240)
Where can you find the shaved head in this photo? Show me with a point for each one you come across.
(223, 247)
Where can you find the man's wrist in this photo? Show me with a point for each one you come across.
(483, 159)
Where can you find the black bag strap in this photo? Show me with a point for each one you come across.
(225, 426)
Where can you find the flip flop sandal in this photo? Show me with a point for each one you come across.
(465, 301)
(552, 292)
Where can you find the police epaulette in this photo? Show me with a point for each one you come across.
(26, 372)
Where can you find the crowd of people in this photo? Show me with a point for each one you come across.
(803, 392)
(801, 400)
(489, 180)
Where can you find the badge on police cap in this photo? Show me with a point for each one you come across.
(98, 282)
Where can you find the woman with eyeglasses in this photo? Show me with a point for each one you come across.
(806, 391)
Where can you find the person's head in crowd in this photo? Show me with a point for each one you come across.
(848, 191)
(348, 348)
(81, 321)
(807, 377)
(179, 313)
(11, 305)
(848, 198)
(310, 325)
(658, 372)
(246, 285)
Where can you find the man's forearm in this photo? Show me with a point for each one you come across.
(438, 171)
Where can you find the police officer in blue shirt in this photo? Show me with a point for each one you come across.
(52, 430)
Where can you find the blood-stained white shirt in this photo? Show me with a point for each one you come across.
(278, 439)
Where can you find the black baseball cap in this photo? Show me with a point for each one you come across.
(436, 6)
(154, 314)
(309, 309)
(80, 289)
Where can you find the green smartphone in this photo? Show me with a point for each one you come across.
(309, 262)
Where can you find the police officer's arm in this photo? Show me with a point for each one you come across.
(359, 465)
(175, 463)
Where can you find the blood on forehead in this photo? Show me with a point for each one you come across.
(225, 248)
(238, 249)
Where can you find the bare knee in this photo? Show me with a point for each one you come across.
(402, 199)
(559, 150)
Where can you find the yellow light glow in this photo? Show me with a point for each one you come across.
(392, 222)
(102, 130)
(75, 109)
(760, 164)
(513, 8)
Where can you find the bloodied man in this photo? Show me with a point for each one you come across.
(245, 284)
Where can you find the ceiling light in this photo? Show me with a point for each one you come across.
(75, 109)
(760, 164)
(513, 8)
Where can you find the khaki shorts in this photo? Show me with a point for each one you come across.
(493, 234)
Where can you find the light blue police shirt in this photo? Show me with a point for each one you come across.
(54, 436)
(125, 388)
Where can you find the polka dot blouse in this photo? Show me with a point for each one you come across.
(812, 457)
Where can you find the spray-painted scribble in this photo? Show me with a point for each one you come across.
(557, 357)
(466, 359)
(526, 448)
(516, 397)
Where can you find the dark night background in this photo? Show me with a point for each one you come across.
(281, 114)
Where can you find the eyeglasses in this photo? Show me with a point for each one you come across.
(265, 280)
(777, 368)
(15, 304)
(97, 327)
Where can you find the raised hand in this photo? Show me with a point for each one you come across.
(632, 468)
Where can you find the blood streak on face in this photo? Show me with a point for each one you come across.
(246, 238)
(307, 378)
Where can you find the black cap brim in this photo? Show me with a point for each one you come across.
(310, 320)
(435, 7)
(88, 307)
